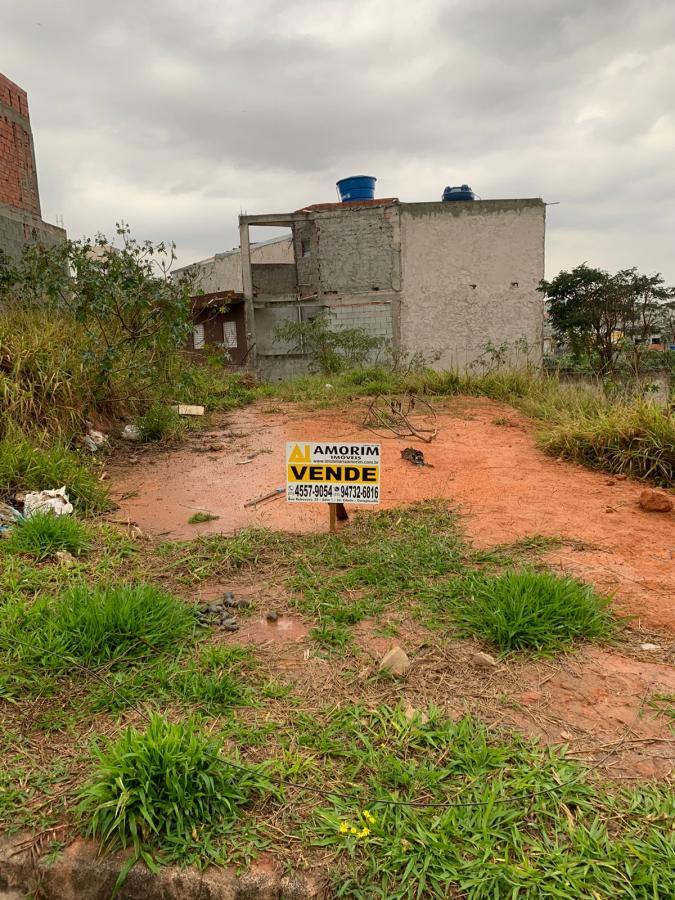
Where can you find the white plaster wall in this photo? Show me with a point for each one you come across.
(222, 272)
(498, 246)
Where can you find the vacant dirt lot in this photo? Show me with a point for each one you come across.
(484, 462)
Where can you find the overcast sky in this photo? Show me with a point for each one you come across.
(177, 115)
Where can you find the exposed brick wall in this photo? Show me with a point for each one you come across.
(18, 178)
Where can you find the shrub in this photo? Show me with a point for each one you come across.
(42, 535)
(156, 788)
(27, 467)
(530, 610)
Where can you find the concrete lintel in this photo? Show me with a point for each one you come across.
(279, 220)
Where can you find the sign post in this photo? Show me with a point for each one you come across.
(333, 473)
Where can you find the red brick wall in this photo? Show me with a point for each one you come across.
(18, 178)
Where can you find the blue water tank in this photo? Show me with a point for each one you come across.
(356, 187)
(463, 192)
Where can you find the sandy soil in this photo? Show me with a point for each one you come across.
(502, 484)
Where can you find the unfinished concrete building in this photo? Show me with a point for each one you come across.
(441, 280)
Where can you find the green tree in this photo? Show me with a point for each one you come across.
(602, 316)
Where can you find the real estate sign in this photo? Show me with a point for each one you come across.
(332, 472)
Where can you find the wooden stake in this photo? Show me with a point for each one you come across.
(332, 516)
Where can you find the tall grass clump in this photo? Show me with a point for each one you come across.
(90, 626)
(43, 535)
(101, 623)
(530, 611)
(156, 789)
(43, 379)
(161, 423)
(27, 465)
(636, 440)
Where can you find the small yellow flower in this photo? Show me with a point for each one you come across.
(363, 833)
(369, 817)
(344, 828)
(353, 830)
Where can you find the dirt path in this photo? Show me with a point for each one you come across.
(504, 486)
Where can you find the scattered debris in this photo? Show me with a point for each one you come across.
(566, 735)
(655, 501)
(94, 440)
(9, 515)
(184, 409)
(621, 477)
(404, 416)
(483, 660)
(132, 433)
(272, 616)
(328, 387)
(271, 495)
(416, 457)
(396, 661)
(216, 613)
(610, 482)
(43, 502)
(649, 647)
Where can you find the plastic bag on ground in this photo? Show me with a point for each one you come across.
(53, 502)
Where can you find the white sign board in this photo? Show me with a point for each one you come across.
(332, 472)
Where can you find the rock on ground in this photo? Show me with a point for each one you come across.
(396, 661)
(655, 501)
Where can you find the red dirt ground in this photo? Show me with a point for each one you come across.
(503, 485)
(505, 488)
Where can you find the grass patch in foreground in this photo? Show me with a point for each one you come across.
(110, 625)
(529, 610)
(200, 517)
(43, 535)
(159, 789)
(539, 829)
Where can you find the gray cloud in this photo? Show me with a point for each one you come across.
(176, 116)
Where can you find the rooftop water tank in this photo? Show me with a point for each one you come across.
(356, 187)
(463, 192)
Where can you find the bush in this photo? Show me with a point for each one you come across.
(157, 788)
(27, 467)
(42, 535)
(530, 611)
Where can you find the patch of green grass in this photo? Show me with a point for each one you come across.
(161, 423)
(161, 789)
(200, 517)
(42, 535)
(538, 828)
(29, 466)
(529, 610)
(110, 625)
(331, 637)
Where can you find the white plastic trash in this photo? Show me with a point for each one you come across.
(54, 502)
(131, 433)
